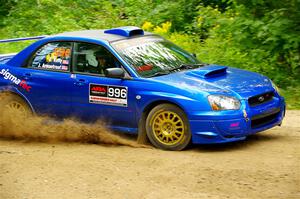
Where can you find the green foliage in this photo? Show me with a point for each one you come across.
(292, 97)
(179, 12)
(13, 47)
(262, 36)
(32, 17)
(256, 35)
(5, 7)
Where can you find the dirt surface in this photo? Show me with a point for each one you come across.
(266, 165)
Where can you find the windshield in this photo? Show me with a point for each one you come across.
(153, 55)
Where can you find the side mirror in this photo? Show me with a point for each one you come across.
(114, 72)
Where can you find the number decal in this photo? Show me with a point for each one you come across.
(117, 92)
(111, 92)
(124, 93)
(108, 95)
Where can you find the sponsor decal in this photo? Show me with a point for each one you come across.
(8, 76)
(108, 95)
(64, 67)
(54, 67)
(65, 62)
(144, 68)
(58, 54)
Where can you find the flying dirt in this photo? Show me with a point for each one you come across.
(13, 126)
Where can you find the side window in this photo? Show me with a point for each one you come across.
(92, 58)
(53, 56)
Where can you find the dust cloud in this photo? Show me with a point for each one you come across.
(45, 129)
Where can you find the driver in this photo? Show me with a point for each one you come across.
(96, 61)
(102, 59)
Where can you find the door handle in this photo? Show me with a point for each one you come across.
(81, 82)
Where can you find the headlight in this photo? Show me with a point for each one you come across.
(220, 102)
(275, 87)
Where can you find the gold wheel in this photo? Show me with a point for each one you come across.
(168, 128)
(13, 108)
(17, 108)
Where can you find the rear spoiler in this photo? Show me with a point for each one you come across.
(22, 39)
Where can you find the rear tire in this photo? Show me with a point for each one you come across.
(13, 106)
(168, 128)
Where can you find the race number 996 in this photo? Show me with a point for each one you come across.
(117, 92)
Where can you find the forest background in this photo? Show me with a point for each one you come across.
(257, 35)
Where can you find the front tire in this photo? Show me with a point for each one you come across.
(168, 128)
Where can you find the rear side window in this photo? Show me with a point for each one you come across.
(53, 56)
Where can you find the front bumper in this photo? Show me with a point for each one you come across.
(228, 126)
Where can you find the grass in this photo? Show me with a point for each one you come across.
(292, 97)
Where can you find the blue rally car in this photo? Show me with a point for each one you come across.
(139, 83)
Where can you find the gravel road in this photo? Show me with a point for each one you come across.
(266, 165)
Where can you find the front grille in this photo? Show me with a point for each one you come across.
(260, 99)
(261, 120)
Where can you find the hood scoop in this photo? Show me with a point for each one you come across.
(209, 71)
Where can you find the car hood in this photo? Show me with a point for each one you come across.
(214, 79)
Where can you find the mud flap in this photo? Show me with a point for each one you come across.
(142, 135)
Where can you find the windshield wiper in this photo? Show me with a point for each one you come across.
(160, 73)
(187, 67)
